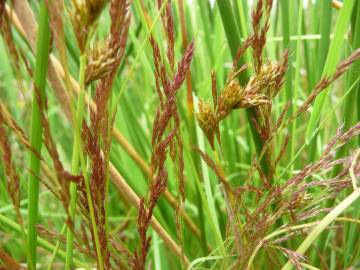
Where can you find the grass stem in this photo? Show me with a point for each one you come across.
(42, 57)
(297, 84)
(75, 159)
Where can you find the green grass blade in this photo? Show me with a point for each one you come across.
(297, 89)
(42, 57)
(325, 30)
(286, 42)
(325, 10)
(350, 109)
(333, 57)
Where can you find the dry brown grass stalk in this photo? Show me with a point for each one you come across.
(9, 263)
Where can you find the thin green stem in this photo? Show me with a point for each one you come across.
(42, 57)
(75, 159)
(297, 83)
(284, 5)
(56, 249)
(325, 30)
(78, 154)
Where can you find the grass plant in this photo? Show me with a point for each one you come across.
(179, 134)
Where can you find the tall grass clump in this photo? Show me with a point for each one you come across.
(179, 134)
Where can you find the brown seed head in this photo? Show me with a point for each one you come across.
(208, 121)
(106, 56)
(83, 14)
(234, 96)
(269, 79)
(230, 97)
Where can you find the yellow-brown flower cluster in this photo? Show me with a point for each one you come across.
(260, 89)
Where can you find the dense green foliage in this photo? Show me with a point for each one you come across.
(248, 170)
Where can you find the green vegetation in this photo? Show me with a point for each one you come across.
(177, 134)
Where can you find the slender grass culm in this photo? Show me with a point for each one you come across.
(83, 17)
(179, 134)
(42, 57)
(77, 151)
